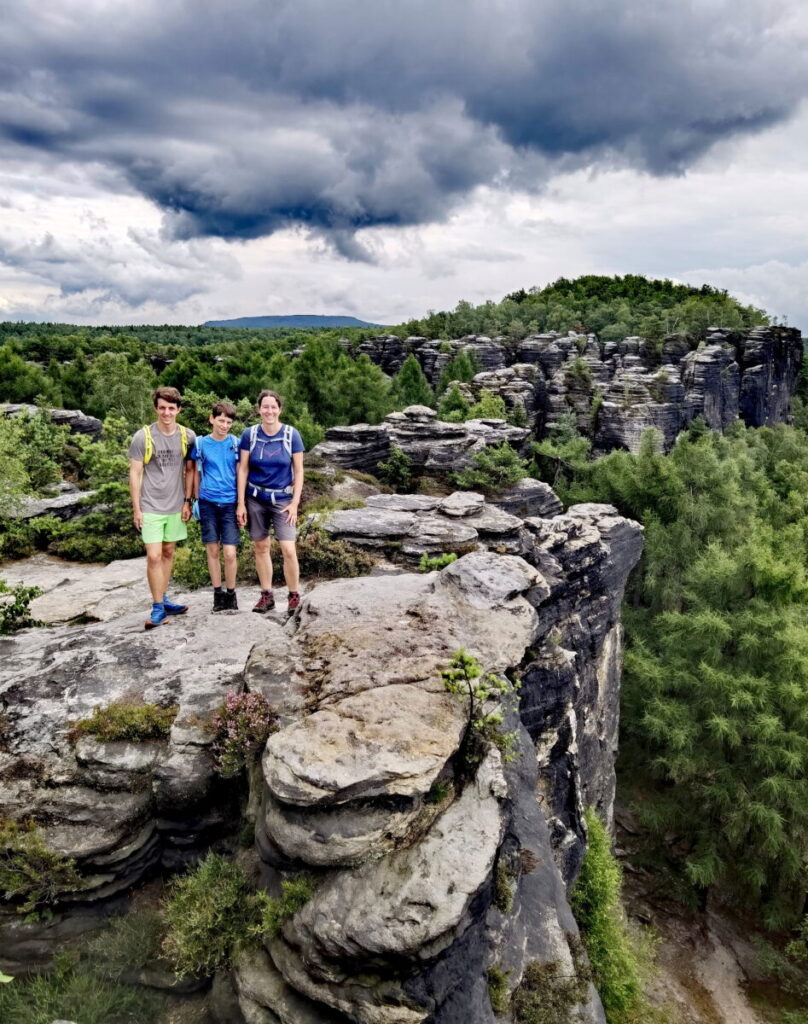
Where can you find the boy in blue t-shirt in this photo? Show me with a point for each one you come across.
(216, 457)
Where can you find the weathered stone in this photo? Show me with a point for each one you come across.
(77, 421)
(404, 502)
(529, 497)
(462, 503)
(368, 527)
(434, 533)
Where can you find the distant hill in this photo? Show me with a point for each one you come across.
(304, 320)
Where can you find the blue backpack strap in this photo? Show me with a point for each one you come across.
(287, 439)
(253, 436)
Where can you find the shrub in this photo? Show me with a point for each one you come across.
(323, 558)
(498, 989)
(577, 373)
(429, 563)
(123, 721)
(476, 689)
(75, 990)
(488, 407)
(241, 726)
(16, 538)
(493, 469)
(210, 914)
(32, 876)
(453, 407)
(612, 952)
(105, 534)
(15, 613)
(130, 943)
(397, 469)
(547, 996)
(295, 894)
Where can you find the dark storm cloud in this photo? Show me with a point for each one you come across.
(338, 116)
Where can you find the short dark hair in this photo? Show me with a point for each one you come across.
(167, 395)
(223, 409)
(268, 394)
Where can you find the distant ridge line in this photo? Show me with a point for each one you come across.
(298, 320)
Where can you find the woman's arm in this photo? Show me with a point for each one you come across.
(297, 482)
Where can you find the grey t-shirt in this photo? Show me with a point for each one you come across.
(162, 488)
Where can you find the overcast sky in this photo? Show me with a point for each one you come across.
(171, 162)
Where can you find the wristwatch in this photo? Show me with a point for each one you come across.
(188, 501)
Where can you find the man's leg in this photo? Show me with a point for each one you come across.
(155, 570)
(167, 560)
(212, 551)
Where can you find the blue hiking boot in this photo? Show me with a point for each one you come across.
(157, 617)
(173, 609)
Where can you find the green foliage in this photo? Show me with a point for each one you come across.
(453, 407)
(498, 989)
(241, 727)
(210, 914)
(494, 469)
(578, 373)
(788, 967)
(503, 886)
(14, 481)
(75, 990)
(483, 694)
(15, 607)
(130, 943)
(126, 721)
(410, 386)
(32, 876)
(462, 367)
(103, 535)
(612, 307)
(430, 563)
(439, 791)
(396, 471)
(596, 904)
(715, 687)
(488, 407)
(122, 386)
(295, 894)
(320, 557)
(548, 995)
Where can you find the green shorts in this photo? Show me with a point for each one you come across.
(157, 528)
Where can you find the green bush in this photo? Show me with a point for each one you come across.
(494, 469)
(578, 373)
(465, 678)
(453, 407)
(596, 904)
(430, 563)
(210, 914)
(295, 894)
(32, 876)
(397, 469)
(74, 990)
(498, 989)
(125, 721)
(488, 407)
(15, 613)
(16, 539)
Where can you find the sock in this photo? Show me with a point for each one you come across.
(231, 590)
(217, 590)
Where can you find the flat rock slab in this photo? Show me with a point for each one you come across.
(436, 533)
(462, 503)
(368, 525)
(72, 590)
(393, 740)
(403, 502)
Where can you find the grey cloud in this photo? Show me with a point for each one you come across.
(337, 117)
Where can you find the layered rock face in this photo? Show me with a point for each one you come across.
(616, 390)
(429, 868)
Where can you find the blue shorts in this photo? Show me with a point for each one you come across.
(218, 522)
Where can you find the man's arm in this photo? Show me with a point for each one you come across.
(135, 478)
(190, 488)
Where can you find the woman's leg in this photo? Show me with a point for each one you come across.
(291, 569)
(263, 562)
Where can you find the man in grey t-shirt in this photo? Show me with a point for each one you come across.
(161, 485)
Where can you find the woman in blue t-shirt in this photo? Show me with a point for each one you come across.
(270, 479)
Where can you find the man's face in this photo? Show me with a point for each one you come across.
(221, 426)
(167, 412)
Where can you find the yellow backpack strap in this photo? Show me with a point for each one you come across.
(183, 439)
(148, 445)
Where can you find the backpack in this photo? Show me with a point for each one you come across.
(200, 462)
(149, 443)
(287, 438)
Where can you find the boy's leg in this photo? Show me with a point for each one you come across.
(230, 553)
(215, 570)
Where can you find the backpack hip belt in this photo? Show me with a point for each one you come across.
(271, 491)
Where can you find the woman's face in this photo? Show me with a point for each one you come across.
(269, 409)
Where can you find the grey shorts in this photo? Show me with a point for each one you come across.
(261, 517)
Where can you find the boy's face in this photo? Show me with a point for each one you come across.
(167, 412)
(221, 425)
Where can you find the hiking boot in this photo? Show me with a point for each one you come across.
(294, 602)
(219, 600)
(266, 602)
(157, 617)
(173, 609)
(230, 601)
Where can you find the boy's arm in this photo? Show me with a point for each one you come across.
(135, 478)
(241, 486)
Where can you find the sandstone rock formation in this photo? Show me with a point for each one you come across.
(429, 868)
(615, 390)
(78, 422)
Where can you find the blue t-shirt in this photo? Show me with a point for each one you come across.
(270, 464)
(217, 464)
